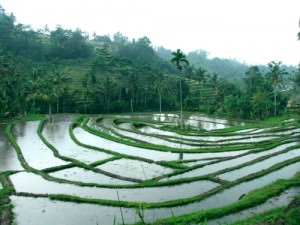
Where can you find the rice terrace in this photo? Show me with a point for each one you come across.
(191, 119)
(126, 169)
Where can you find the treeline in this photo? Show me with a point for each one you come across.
(122, 75)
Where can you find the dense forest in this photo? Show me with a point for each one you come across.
(65, 70)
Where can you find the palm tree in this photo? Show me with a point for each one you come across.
(274, 76)
(88, 90)
(160, 83)
(179, 58)
(61, 78)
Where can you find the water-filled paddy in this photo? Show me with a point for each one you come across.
(31, 211)
(35, 152)
(23, 183)
(57, 134)
(215, 167)
(8, 156)
(265, 164)
(135, 169)
(91, 139)
(271, 203)
(87, 176)
(227, 196)
(117, 172)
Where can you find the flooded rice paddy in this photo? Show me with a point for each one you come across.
(105, 168)
(35, 152)
(8, 157)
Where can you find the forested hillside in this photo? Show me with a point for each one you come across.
(65, 70)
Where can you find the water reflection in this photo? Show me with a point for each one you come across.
(278, 201)
(196, 120)
(35, 152)
(8, 156)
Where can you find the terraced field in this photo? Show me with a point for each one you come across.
(126, 169)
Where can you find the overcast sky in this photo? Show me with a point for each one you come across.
(251, 31)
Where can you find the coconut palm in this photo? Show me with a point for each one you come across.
(160, 83)
(61, 78)
(178, 59)
(274, 76)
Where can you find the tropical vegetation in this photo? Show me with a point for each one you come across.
(63, 70)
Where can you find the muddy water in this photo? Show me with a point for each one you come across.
(145, 138)
(42, 211)
(90, 139)
(215, 167)
(227, 196)
(134, 169)
(195, 120)
(8, 156)
(32, 211)
(230, 140)
(278, 201)
(35, 152)
(58, 135)
(87, 176)
(23, 183)
(214, 139)
(265, 164)
(125, 126)
(100, 142)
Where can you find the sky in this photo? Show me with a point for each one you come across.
(251, 31)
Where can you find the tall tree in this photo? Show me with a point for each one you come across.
(275, 78)
(69, 44)
(61, 78)
(254, 80)
(160, 84)
(179, 59)
(104, 65)
(9, 82)
(47, 88)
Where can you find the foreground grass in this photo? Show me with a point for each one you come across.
(289, 215)
(253, 198)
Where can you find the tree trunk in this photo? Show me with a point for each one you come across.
(34, 105)
(131, 104)
(63, 106)
(108, 105)
(50, 113)
(145, 99)
(275, 103)
(120, 95)
(181, 119)
(159, 102)
(107, 94)
(57, 105)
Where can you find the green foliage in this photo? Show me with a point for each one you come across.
(228, 68)
(118, 75)
(34, 117)
(68, 44)
(284, 215)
